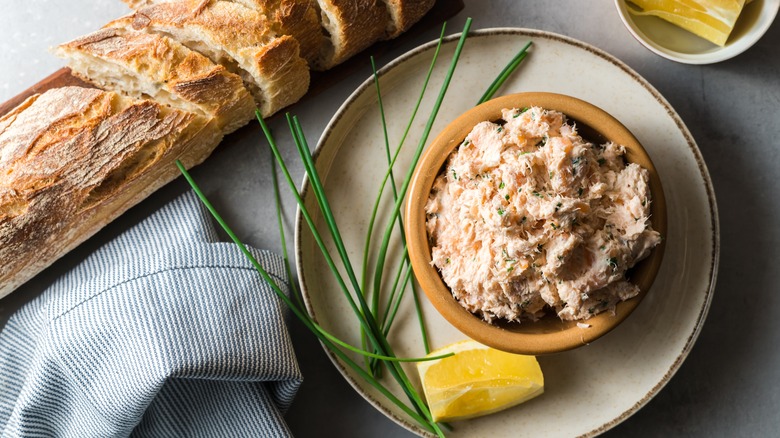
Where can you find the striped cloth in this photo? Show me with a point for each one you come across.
(162, 332)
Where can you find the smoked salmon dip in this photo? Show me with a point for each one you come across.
(527, 218)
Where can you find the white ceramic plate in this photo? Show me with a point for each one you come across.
(592, 388)
(672, 42)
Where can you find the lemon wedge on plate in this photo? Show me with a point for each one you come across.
(712, 20)
(477, 380)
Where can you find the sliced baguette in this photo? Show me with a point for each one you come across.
(349, 26)
(240, 39)
(73, 159)
(404, 13)
(352, 26)
(143, 65)
(296, 18)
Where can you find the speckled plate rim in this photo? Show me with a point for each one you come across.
(768, 14)
(532, 33)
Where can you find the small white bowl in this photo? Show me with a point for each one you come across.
(671, 42)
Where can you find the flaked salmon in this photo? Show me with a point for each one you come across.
(528, 217)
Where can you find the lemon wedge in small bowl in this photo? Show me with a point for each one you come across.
(712, 20)
(666, 39)
(477, 380)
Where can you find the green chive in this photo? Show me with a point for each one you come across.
(375, 332)
(365, 318)
(505, 73)
(296, 310)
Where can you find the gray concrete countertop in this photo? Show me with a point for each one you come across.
(728, 386)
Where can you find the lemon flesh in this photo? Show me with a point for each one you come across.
(477, 381)
(712, 20)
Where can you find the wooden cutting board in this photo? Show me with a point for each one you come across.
(320, 81)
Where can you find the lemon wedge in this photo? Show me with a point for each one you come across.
(477, 380)
(712, 20)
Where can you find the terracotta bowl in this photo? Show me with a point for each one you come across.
(549, 334)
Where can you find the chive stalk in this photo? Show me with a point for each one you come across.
(492, 89)
(424, 419)
(421, 145)
(369, 233)
(373, 329)
(294, 308)
(367, 245)
(505, 73)
(366, 319)
(405, 258)
(394, 288)
(397, 302)
(280, 223)
(297, 296)
(374, 334)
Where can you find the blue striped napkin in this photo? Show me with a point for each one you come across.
(164, 331)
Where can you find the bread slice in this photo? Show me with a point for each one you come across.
(404, 13)
(299, 19)
(240, 39)
(73, 159)
(143, 65)
(352, 26)
(328, 31)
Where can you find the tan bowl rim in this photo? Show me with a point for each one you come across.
(557, 335)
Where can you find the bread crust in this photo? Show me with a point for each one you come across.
(300, 19)
(166, 68)
(73, 159)
(239, 38)
(297, 18)
(405, 13)
(353, 25)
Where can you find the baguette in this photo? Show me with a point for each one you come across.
(240, 39)
(73, 159)
(296, 18)
(143, 65)
(352, 26)
(404, 13)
